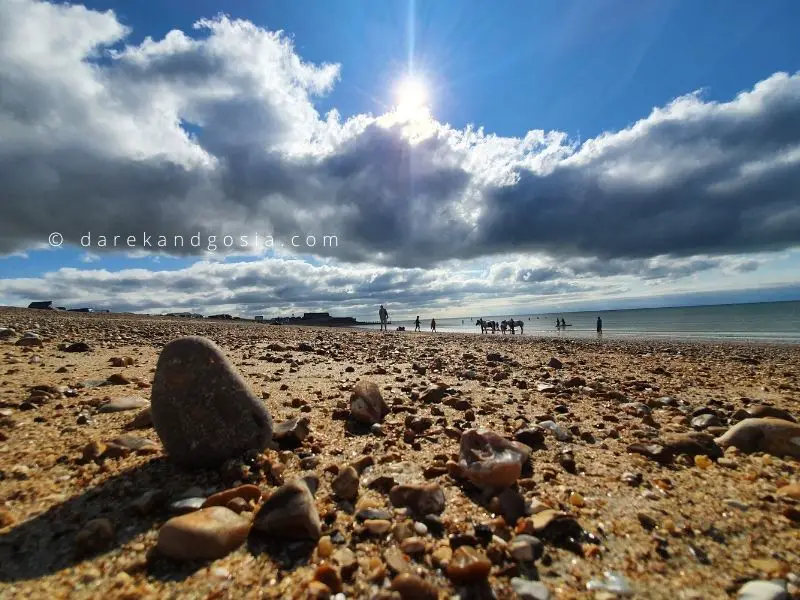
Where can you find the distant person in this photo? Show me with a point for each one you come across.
(433, 324)
(563, 322)
(558, 323)
(511, 324)
(384, 317)
(599, 325)
(416, 324)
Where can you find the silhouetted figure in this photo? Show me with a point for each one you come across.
(433, 324)
(511, 324)
(416, 324)
(384, 317)
(563, 323)
(599, 325)
(558, 323)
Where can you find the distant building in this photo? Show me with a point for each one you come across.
(45, 305)
(259, 317)
(316, 316)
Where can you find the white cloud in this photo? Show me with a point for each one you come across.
(91, 138)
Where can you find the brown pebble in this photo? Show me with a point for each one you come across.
(329, 575)
(96, 535)
(413, 587)
(246, 492)
(207, 533)
(468, 566)
(396, 560)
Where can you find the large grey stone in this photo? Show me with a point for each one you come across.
(202, 408)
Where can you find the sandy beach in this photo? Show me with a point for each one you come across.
(623, 475)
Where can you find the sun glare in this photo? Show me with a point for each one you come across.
(412, 97)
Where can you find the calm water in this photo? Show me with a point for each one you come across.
(768, 322)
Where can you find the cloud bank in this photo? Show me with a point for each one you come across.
(215, 130)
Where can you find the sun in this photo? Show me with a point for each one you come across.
(412, 97)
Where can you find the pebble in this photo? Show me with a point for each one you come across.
(489, 460)
(791, 490)
(468, 566)
(422, 499)
(142, 420)
(413, 545)
(762, 590)
(530, 590)
(770, 435)
(186, 505)
(291, 433)
(248, 493)
(290, 512)
(206, 534)
(560, 433)
(377, 526)
(420, 528)
(526, 548)
(346, 483)
(123, 404)
(367, 404)
(203, 410)
(330, 576)
(614, 583)
(324, 546)
(396, 560)
(78, 347)
(413, 587)
(96, 536)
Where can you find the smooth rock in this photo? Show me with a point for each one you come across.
(248, 493)
(433, 395)
(345, 485)
(489, 460)
(422, 499)
(123, 404)
(532, 437)
(202, 408)
(762, 410)
(207, 534)
(142, 420)
(770, 435)
(290, 512)
(78, 347)
(526, 548)
(560, 433)
(468, 566)
(187, 505)
(762, 590)
(414, 587)
(96, 535)
(291, 433)
(29, 341)
(530, 590)
(367, 404)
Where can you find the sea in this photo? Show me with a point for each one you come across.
(759, 322)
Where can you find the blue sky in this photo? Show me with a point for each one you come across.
(576, 71)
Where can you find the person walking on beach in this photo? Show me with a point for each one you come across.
(384, 317)
(416, 324)
(599, 325)
(433, 324)
(558, 323)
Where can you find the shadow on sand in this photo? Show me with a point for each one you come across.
(46, 544)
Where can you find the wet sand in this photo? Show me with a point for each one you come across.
(684, 528)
